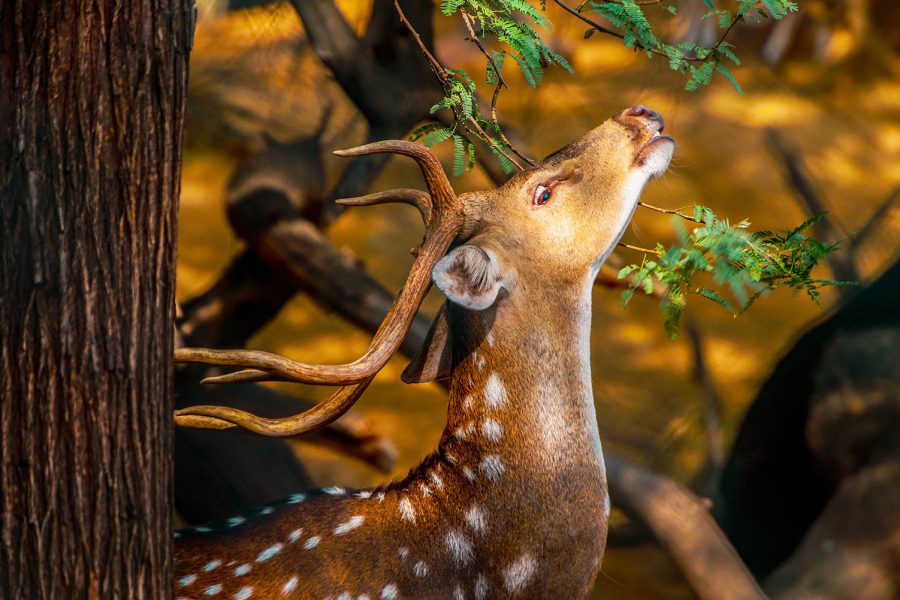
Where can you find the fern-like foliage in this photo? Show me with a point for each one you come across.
(512, 29)
(743, 265)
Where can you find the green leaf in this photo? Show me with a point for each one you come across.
(724, 71)
(626, 271)
(700, 76)
(716, 297)
(459, 155)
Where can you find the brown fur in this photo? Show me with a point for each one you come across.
(513, 503)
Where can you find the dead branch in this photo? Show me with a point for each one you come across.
(843, 261)
(682, 525)
(871, 224)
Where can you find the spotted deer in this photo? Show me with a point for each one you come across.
(513, 504)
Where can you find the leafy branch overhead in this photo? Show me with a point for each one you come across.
(513, 29)
(748, 264)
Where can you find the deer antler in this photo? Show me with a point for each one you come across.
(444, 216)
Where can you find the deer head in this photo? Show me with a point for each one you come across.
(520, 459)
(555, 223)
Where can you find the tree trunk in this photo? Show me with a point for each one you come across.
(91, 114)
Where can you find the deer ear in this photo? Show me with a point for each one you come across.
(469, 276)
(434, 360)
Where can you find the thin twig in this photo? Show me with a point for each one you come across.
(474, 38)
(607, 31)
(501, 83)
(640, 249)
(863, 233)
(441, 73)
(667, 211)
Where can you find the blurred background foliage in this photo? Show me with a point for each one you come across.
(826, 78)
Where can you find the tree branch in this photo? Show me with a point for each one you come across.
(843, 261)
(681, 523)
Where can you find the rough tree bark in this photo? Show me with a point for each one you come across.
(91, 114)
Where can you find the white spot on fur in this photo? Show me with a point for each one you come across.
(235, 521)
(266, 511)
(426, 491)
(469, 473)
(481, 587)
(380, 497)
(492, 467)
(187, 580)
(290, 586)
(296, 498)
(212, 565)
(607, 505)
(312, 542)
(460, 548)
(349, 525)
(489, 338)
(518, 574)
(450, 458)
(458, 593)
(242, 569)
(494, 391)
(476, 519)
(479, 361)
(436, 480)
(363, 597)
(389, 592)
(492, 430)
(407, 510)
(334, 490)
(202, 529)
(467, 403)
(268, 553)
(420, 569)
(295, 535)
(244, 593)
(345, 596)
(403, 552)
(363, 495)
(213, 589)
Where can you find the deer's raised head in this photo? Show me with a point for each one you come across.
(556, 222)
(549, 227)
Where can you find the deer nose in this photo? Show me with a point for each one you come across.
(645, 114)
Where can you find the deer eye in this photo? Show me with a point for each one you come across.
(542, 195)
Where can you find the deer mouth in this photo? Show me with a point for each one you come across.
(655, 154)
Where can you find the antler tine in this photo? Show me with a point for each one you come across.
(413, 197)
(446, 220)
(222, 417)
(442, 192)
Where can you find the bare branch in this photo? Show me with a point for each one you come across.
(842, 262)
(681, 523)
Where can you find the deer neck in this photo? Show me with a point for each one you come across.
(521, 410)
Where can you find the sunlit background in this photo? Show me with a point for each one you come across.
(834, 95)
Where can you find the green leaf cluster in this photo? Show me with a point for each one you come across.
(743, 265)
(699, 62)
(511, 28)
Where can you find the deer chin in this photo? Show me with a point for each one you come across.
(653, 159)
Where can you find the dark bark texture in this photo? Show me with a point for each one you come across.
(91, 114)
